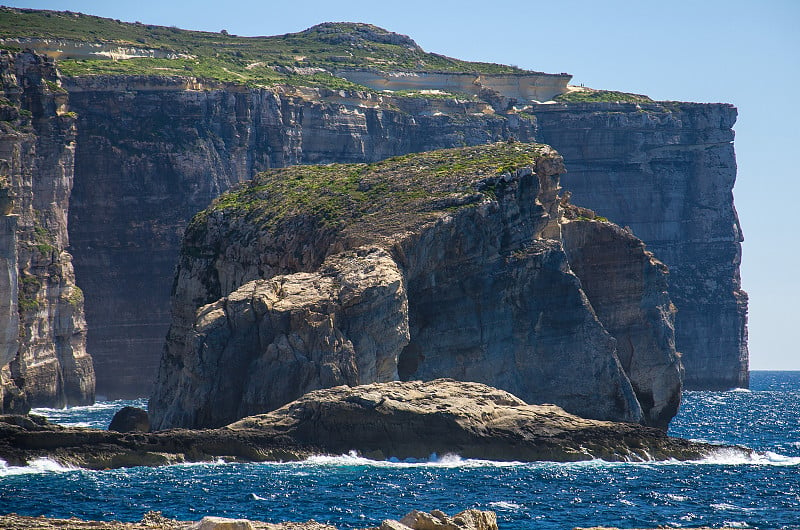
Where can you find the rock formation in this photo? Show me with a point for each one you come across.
(410, 419)
(627, 288)
(152, 150)
(667, 171)
(43, 361)
(443, 264)
(213, 136)
(415, 520)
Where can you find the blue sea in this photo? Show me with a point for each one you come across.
(350, 492)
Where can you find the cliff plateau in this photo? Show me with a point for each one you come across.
(444, 264)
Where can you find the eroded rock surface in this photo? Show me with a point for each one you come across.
(403, 419)
(414, 419)
(667, 171)
(44, 360)
(479, 288)
(627, 288)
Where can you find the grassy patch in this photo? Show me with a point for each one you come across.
(378, 198)
(230, 58)
(601, 96)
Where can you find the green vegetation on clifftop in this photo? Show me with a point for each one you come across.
(379, 197)
(601, 96)
(292, 57)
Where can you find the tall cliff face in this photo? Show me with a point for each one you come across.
(667, 172)
(151, 152)
(49, 366)
(447, 263)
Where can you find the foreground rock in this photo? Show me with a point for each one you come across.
(416, 520)
(397, 419)
(448, 263)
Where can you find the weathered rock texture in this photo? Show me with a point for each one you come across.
(48, 363)
(151, 152)
(443, 264)
(409, 419)
(627, 288)
(667, 171)
(416, 520)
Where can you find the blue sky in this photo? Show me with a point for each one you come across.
(741, 52)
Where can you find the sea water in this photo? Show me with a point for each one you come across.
(350, 492)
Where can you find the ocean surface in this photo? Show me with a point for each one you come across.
(350, 492)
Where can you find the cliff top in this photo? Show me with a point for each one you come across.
(304, 58)
(383, 198)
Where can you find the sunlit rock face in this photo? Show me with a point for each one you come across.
(43, 360)
(442, 264)
(667, 172)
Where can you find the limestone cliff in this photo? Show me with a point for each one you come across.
(627, 288)
(667, 171)
(447, 263)
(44, 360)
(151, 152)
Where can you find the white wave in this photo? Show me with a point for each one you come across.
(254, 497)
(675, 497)
(505, 505)
(448, 460)
(735, 524)
(740, 390)
(734, 457)
(37, 465)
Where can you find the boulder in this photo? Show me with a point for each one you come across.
(130, 419)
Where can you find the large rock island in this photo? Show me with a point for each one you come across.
(449, 263)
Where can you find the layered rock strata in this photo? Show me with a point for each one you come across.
(397, 419)
(667, 171)
(44, 362)
(627, 288)
(151, 152)
(443, 264)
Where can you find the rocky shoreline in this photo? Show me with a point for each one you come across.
(415, 520)
(402, 420)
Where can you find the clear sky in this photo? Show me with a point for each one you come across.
(734, 51)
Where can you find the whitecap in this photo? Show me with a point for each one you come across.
(735, 524)
(675, 497)
(732, 456)
(255, 497)
(740, 390)
(448, 460)
(505, 505)
(37, 465)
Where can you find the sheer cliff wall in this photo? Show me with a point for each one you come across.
(667, 171)
(151, 152)
(44, 360)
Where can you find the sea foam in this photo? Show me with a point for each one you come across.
(37, 465)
